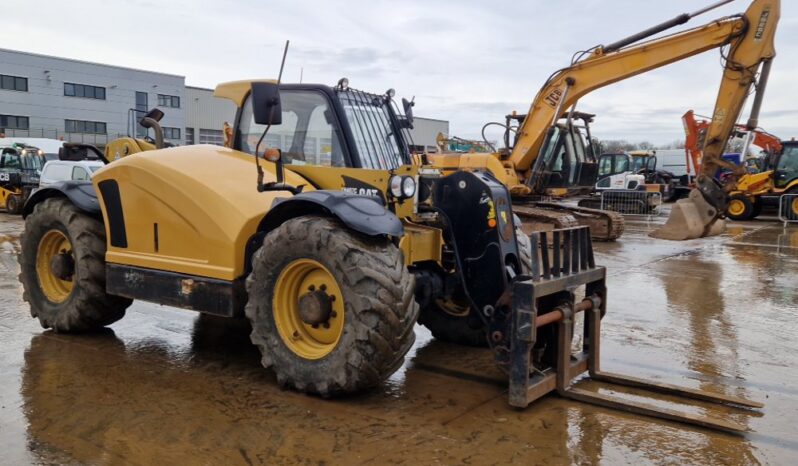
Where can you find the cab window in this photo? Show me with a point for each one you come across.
(605, 166)
(79, 174)
(308, 135)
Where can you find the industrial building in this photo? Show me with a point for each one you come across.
(80, 101)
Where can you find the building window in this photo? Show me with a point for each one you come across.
(211, 136)
(84, 90)
(171, 133)
(189, 136)
(141, 109)
(13, 83)
(86, 127)
(14, 122)
(168, 101)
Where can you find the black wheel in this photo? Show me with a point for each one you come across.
(332, 311)
(740, 208)
(14, 204)
(447, 319)
(63, 269)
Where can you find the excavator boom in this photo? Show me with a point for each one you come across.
(750, 36)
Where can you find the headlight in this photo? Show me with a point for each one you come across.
(402, 187)
(408, 186)
(395, 184)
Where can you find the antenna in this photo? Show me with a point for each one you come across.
(262, 136)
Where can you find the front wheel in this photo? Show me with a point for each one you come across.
(740, 208)
(62, 266)
(448, 318)
(14, 204)
(332, 311)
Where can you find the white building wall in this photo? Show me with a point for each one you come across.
(47, 107)
(425, 131)
(206, 112)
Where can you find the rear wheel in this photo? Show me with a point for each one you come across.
(448, 319)
(740, 208)
(63, 269)
(332, 312)
(14, 204)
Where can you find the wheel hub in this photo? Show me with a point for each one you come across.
(63, 266)
(315, 307)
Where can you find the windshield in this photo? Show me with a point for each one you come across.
(373, 129)
(95, 168)
(639, 163)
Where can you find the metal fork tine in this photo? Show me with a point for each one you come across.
(612, 402)
(566, 257)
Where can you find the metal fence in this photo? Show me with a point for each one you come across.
(788, 208)
(628, 202)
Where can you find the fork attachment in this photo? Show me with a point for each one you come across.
(543, 311)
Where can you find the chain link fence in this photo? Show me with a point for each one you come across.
(627, 202)
(788, 208)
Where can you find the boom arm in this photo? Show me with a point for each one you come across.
(750, 37)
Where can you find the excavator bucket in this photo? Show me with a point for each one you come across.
(545, 305)
(691, 218)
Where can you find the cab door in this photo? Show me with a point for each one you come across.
(787, 168)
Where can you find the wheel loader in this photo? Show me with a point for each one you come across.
(321, 228)
(20, 168)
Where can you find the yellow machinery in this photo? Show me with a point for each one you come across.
(20, 168)
(547, 157)
(752, 191)
(321, 228)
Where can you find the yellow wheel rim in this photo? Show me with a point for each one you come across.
(794, 205)
(736, 207)
(307, 341)
(53, 243)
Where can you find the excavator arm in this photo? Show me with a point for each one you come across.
(750, 38)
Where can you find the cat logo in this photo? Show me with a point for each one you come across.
(355, 186)
(363, 191)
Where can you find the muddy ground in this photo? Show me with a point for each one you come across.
(166, 386)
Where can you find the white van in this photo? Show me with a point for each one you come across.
(61, 170)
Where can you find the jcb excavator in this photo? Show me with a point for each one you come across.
(547, 156)
(320, 227)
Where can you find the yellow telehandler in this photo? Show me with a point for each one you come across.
(320, 227)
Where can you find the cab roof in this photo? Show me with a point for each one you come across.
(237, 91)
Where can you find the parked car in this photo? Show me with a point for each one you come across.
(60, 170)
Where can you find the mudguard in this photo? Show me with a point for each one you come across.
(80, 193)
(361, 213)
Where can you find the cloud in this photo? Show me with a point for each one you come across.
(466, 61)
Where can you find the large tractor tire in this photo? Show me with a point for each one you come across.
(63, 269)
(740, 208)
(448, 320)
(332, 311)
(14, 204)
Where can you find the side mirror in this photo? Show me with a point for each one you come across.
(266, 106)
(407, 106)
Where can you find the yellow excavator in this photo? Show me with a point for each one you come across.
(545, 153)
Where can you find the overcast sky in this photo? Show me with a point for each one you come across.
(464, 61)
